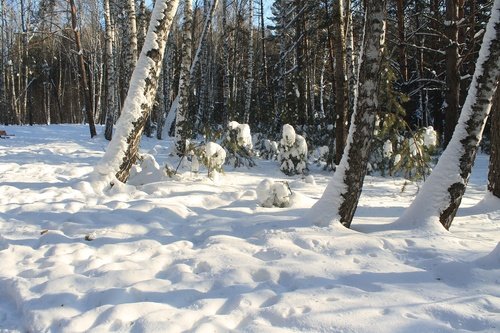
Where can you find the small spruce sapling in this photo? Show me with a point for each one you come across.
(238, 143)
(292, 152)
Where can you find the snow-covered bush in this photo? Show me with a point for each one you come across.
(238, 143)
(292, 152)
(408, 154)
(265, 148)
(270, 193)
(213, 158)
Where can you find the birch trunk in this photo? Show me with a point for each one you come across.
(111, 100)
(442, 193)
(250, 79)
(341, 109)
(122, 151)
(182, 124)
(340, 199)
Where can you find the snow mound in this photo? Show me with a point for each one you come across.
(491, 260)
(270, 193)
(148, 171)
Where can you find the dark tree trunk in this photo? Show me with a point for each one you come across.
(494, 170)
(87, 98)
(452, 73)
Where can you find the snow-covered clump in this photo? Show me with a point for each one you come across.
(430, 137)
(214, 158)
(148, 171)
(238, 143)
(293, 152)
(387, 149)
(244, 137)
(270, 193)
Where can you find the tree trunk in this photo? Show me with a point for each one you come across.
(122, 151)
(452, 74)
(111, 101)
(403, 62)
(441, 194)
(85, 89)
(183, 126)
(249, 80)
(341, 110)
(340, 199)
(494, 170)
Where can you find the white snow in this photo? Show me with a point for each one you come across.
(193, 255)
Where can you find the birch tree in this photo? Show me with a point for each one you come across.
(250, 79)
(341, 106)
(341, 196)
(182, 124)
(111, 101)
(441, 195)
(121, 152)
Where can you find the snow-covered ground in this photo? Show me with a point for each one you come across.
(196, 255)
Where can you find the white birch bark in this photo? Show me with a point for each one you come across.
(182, 125)
(121, 152)
(250, 78)
(111, 100)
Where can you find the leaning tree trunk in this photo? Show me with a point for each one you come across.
(122, 151)
(83, 73)
(494, 172)
(340, 199)
(194, 66)
(442, 193)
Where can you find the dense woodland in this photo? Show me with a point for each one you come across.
(310, 64)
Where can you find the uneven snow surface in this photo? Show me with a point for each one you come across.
(192, 255)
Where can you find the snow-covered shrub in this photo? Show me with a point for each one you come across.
(408, 154)
(265, 148)
(238, 143)
(213, 158)
(270, 193)
(292, 152)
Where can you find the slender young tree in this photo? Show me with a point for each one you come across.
(86, 91)
(121, 152)
(341, 197)
(441, 194)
